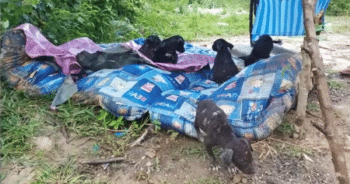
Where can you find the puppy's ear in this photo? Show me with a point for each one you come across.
(180, 44)
(217, 45)
(226, 156)
(230, 45)
(153, 41)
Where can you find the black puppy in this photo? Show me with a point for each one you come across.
(261, 50)
(149, 47)
(224, 68)
(212, 125)
(166, 52)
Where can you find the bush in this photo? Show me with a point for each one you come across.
(64, 20)
(106, 21)
(339, 7)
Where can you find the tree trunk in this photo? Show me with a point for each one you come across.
(305, 85)
(329, 129)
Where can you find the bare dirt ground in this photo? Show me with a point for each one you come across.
(169, 158)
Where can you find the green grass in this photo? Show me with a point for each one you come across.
(199, 151)
(209, 180)
(167, 18)
(338, 24)
(23, 117)
(331, 71)
(64, 173)
(313, 106)
(336, 85)
(286, 127)
(293, 151)
(20, 119)
(338, 114)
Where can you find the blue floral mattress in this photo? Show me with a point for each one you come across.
(255, 100)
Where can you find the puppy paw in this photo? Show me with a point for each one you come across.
(233, 170)
(214, 168)
(201, 138)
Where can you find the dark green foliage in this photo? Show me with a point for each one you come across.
(106, 21)
(339, 7)
(62, 21)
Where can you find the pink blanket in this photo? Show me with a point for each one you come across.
(65, 54)
(186, 62)
(37, 45)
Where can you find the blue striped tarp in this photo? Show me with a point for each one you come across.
(282, 17)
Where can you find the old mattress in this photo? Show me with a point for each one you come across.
(255, 100)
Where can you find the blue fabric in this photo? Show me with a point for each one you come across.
(41, 76)
(246, 96)
(255, 100)
(282, 17)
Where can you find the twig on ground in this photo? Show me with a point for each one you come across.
(326, 48)
(270, 150)
(261, 154)
(107, 148)
(51, 122)
(64, 132)
(70, 140)
(143, 136)
(312, 114)
(118, 159)
(139, 161)
(63, 128)
(319, 127)
(85, 141)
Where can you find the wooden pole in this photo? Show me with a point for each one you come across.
(305, 85)
(329, 128)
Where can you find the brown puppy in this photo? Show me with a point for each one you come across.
(212, 125)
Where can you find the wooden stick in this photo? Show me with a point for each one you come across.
(85, 141)
(118, 159)
(329, 129)
(64, 132)
(326, 48)
(319, 127)
(305, 85)
(71, 139)
(312, 114)
(143, 136)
